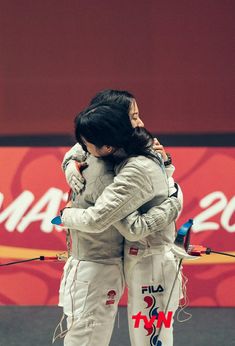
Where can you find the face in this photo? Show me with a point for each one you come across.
(105, 150)
(134, 115)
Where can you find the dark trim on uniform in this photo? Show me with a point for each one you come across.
(174, 140)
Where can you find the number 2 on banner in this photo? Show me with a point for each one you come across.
(201, 222)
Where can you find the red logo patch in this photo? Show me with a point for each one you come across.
(133, 251)
(111, 297)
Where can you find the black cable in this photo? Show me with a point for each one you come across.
(220, 253)
(41, 258)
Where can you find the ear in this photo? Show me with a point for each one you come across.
(109, 149)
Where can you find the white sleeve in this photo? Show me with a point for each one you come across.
(169, 170)
(136, 226)
(130, 189)
(75, 153)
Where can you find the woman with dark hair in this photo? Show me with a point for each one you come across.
(140, 183)
(112, 125)
(110, 96)
(120, 97)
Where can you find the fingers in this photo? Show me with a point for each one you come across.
(74, 169)
(158, 147)
(76, 184)
(160, 150)
(74, 176)
(156, 141)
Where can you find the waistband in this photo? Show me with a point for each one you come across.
(149, 250)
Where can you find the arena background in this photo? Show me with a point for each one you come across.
(177, 58)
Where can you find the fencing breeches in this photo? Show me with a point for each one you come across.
(150, 278)
(89, 295)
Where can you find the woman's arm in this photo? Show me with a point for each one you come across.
(72, 165)
(131, 188)
(75, 153)
(136, 226)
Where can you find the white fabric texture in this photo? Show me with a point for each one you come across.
(89, 295)
(146, 272)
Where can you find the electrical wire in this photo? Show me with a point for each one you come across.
(221, 253)
(40, 258)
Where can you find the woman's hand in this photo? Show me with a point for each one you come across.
(159, 149)
(74, 176)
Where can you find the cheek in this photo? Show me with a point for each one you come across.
(95, 152)
(91, 150)
(101, 153)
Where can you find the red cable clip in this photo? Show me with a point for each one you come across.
(196, 250)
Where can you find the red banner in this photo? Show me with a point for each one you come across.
(33, 190)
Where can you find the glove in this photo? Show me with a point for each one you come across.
(74, 177)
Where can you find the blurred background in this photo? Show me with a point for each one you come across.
(178, 59)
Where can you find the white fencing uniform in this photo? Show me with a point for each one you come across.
(93, 279)
(150, 269)
(150, 275)
(89, 295)
(139, 181)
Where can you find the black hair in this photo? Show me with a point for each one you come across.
(112, 96)
(106, 124)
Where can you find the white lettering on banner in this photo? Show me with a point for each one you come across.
(222, 205)
(47, 207)
(51, 199)
(16, 209)
(1, 199)
(227, 215)
(50, 202)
